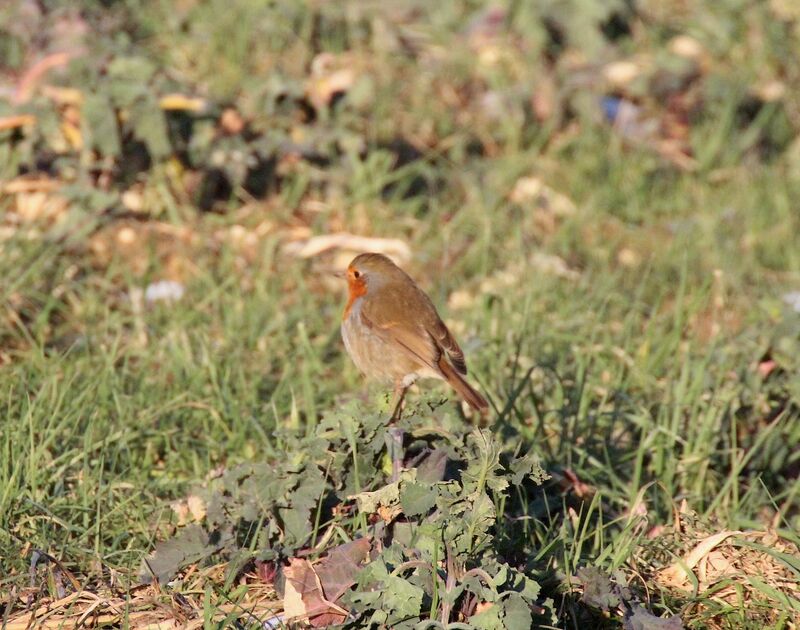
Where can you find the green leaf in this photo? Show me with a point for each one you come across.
(296, 526)
(100, 124)
(527, 467)
(149, 125)
(511, 613)
(471, 532)
(509, 579)
(598, 590)
(489, 619)
(134, 69)
(484, 469)
(641, 619)
(402, 598)
(192, 544)
(386, 496)
(517, 613)
(417, 498)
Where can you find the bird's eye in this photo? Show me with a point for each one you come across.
(356, 274)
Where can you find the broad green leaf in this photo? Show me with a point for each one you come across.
(527, 467)
(192, 544)
(488, 619)
(402, 598)
(149, 125)
(517, 613)
(134, 69)
(417, 498)
(640, 618)
(100, 124)
(386, 496)
(484, 469)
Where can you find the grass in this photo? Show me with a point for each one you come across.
(635, 375)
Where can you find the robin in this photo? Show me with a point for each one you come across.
(392, 331)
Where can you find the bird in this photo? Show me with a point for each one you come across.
(393, 333)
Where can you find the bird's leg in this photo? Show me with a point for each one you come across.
(394, 438)
(397, 400)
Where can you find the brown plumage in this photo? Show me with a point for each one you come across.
(392, 331)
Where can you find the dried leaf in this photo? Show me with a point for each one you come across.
(339, 569)
(677, 574)
(394, 248)
(303, 597)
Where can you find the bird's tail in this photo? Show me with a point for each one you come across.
(465, 390)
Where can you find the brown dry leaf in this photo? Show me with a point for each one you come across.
(40, 207)
(63, 95)
(181, 102)
(245, 241)
(190, 510)
(511, 275)
(389, 513)
(16, 121)
(36, 72)
(304, 598)
(715, 566)
(28, 185)
(687, 47)
(770, 90)
(330, 75)
(766, 367)
(622, 73)
(394, 248)
(231, 121)
(543, 99)
(532, 189)
(676, 574)
(338, 570)
(577, 486)
(628, 257)
(547, 207)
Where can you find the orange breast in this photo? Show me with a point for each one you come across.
(356, 287)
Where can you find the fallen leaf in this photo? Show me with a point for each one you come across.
(622, 73)
(231, 121)
(765, 367)
(338, 570)
(304, 598)
(316, 245)
(686, 47)
(180, 102)
(330, 76)
(13, 122)
(677, 574)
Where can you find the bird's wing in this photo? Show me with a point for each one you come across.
(393, 317)
(442, 337)
(408, 317)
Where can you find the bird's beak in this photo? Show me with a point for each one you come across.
(340, 274)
